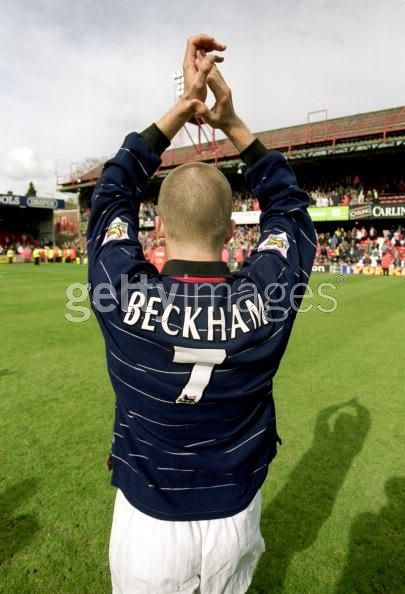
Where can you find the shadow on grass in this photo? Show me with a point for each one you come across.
(375, 560)
(16, 530)
(292, 520)
(4, 372)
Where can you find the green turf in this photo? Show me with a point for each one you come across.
(333, 505)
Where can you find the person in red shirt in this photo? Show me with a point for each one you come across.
(27, 254)
(386, 262)
(225, 255)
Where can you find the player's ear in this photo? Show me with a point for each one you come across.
(159, 227)
(230, 231)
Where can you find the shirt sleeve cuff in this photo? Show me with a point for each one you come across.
(155, 139)
(253, 153)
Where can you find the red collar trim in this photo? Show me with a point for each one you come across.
(200, 279)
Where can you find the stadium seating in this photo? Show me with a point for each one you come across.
(377, 125)
(9, 237)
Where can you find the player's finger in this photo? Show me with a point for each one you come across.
(208, 116)
(200, 79)
(217, 83)
(206, 42)
(218, 75)
(200, 57)
(189, 66)
(199, 42)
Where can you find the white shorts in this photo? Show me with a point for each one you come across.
(150, 556)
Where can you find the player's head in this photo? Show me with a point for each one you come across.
(195, 207)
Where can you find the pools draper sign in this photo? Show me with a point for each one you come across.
(31, 202)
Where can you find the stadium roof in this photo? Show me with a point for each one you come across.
(376, 129)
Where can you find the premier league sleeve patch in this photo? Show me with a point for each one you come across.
(117, 230)
(278, 243)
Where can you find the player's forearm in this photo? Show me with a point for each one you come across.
(175, 119)
(158, 135)
(121, 185)
(239, 134)
(250, 148)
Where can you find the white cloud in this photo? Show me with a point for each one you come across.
(22, 164)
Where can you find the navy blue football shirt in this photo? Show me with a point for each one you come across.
(192, 352)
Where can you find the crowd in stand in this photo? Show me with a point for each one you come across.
(234, 253)
(363, 246)
(360, 245)
(352, 192)
(342, 196)
(244, 201)
(84, 215)
(328, 195)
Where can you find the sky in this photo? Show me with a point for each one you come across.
(76, 77)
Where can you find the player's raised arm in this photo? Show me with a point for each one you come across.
(113, 245)
(287, 246)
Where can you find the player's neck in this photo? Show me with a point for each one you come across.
(193, 253)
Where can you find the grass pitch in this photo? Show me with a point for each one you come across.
(333, 504)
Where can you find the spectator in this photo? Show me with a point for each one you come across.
(386, 262)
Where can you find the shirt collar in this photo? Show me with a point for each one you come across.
(195, 268)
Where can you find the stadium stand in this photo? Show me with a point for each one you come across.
(351, 165)
(361, 244)
(357, 245)
(332, 136)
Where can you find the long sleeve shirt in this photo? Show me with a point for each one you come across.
(192, 351)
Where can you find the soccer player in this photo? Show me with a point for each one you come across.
(192, 351)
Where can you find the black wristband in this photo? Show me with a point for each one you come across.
(253, 153)
(155, 139)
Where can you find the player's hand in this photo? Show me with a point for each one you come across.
(195, 76)
(223, 114)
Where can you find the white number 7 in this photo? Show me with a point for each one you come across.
(204, 361)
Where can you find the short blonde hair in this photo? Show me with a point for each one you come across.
(195, 205)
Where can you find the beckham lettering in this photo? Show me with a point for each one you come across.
(219, 324)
